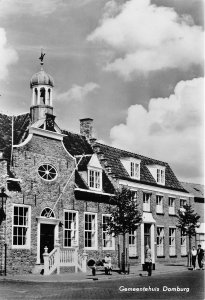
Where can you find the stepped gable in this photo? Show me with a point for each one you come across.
(113, 156)
(76, 144)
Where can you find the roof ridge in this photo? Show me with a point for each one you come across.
(142, 156)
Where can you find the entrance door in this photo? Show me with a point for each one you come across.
(147, 240)
(46, 239)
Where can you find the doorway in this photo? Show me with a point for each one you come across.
(147, 235)
(46, 238)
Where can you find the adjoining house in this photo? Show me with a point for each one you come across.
(56, 187)
(197, 190)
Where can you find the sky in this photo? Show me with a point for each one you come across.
(134, 66)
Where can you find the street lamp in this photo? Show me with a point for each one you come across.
(3, 198)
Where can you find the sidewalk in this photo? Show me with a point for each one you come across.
(76, 277)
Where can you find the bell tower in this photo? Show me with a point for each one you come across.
(41, 85)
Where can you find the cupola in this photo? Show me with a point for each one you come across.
(42, 90)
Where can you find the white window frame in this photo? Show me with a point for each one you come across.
(171, 205)
(133, 237)
(94, 232)
(159, 207)
(28, 226)
(184, 201)
(161, 176)
(95, 171)
(160, 241)
(74, 229)
(135, 170)
(146, 201)
(108, 237)
(183, 244)
(172, 241)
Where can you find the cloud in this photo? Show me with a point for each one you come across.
(171, 129)
(78, 93)
(42, 7)
(145, 37)
(8, 55)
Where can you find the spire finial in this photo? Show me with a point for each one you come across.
(42, 56)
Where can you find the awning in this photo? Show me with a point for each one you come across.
(148, 218)
(201, 228)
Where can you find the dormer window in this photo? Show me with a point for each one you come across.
(158, 172)
(95, 179)
(160, 176)
(134, 169)
(132, 166)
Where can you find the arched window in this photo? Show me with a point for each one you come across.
(42, 96)
(35, 96)
(47, 213)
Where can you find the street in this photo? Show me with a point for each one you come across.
(187, 284)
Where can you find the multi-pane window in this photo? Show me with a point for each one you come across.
(183, 202)
(132, 243)
(183, 243)
(108, 239)
(21, 226)
(172, 241)
(94, 179)
(159, 204)
(160, 241)
(146, 201)
(90, 230)
(70, 228)
(135, 170)
(171, 206)
(161, 176)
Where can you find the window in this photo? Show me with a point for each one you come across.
(160, 241)
(172, 241)
(70, 228)
(21, 226)
(183, 202)
(159, 204)
(132, 243)
(47, 213)
(134, 170)
(171, 206)
(90, 230)
(95, 179)
(160, 176)
(47, 172)
(183, 243)
(146, 201)
(108, 239)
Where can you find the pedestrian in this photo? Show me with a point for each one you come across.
(193, 257)
(200, 255)
(148, 260)
(108, 264)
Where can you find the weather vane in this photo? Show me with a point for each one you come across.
(42, 56)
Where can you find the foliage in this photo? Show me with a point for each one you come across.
(125, 215)
(188, 220)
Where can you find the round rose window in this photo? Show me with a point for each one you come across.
(47, 172)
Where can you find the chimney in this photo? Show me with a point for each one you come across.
(86, 127)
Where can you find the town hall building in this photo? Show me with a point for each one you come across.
(55, 190)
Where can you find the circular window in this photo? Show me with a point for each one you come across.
(47, 172)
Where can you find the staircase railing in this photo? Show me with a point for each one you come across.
(63, 258)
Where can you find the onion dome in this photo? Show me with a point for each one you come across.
(41, 78)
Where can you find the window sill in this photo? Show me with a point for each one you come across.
(160, 256)
(160, 213)
(184, 255)
(90, 248)
(107, 248)
(172, 255)
(172, 214)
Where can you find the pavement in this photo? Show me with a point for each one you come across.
(100, 275)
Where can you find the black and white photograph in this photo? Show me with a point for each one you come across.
(102, 147)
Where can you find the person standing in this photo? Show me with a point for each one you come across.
(148, 260)
(193, 257)
(200, 255)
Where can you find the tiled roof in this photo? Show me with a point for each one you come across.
(113, 156)
(76, 144)
(196, 189)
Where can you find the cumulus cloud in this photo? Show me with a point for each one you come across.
(78, 93)
(8, 55)
(145, 37)
(42, 7)
(171, 129)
